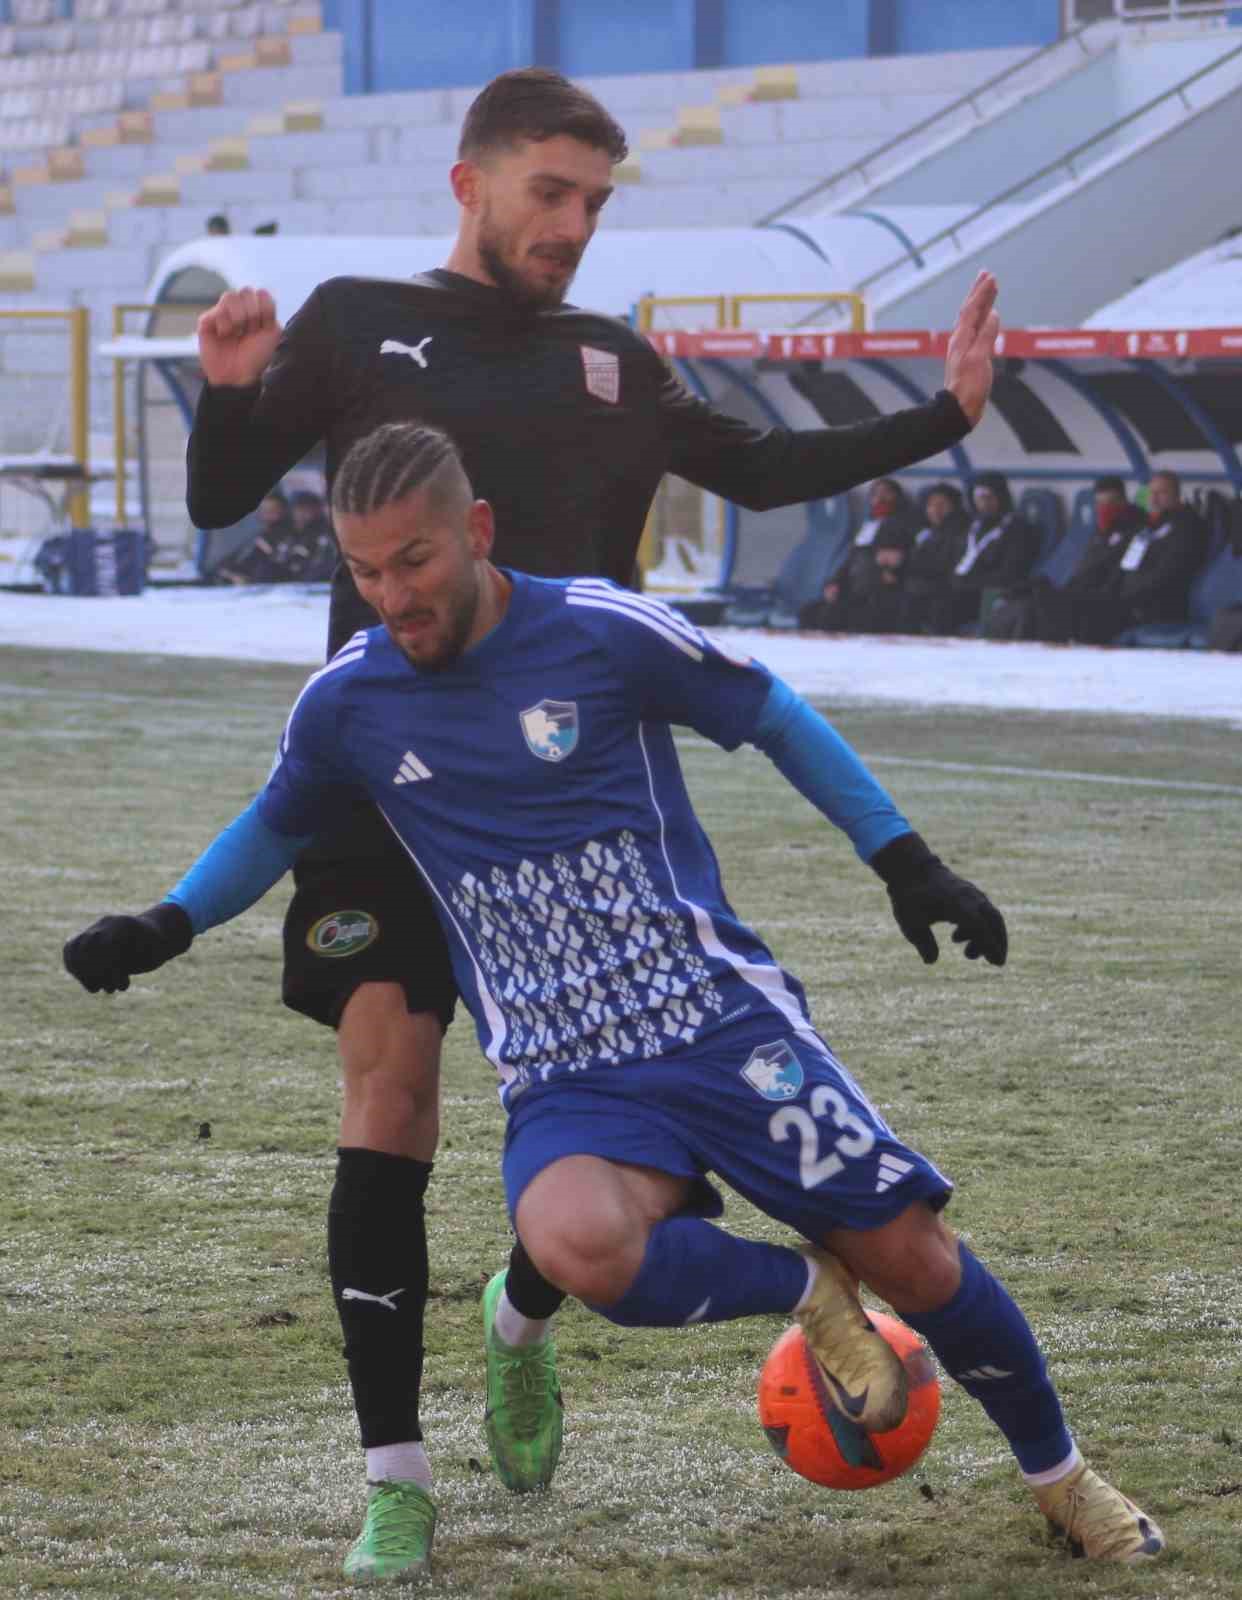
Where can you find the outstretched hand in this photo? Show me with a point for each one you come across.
(944, 897)
(923, 891)
(968, 366)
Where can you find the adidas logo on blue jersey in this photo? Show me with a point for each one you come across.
(891, 1170)
(411, 770)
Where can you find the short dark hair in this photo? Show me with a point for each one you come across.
(277, 494)
(535, 103)
(1109, 484)
(306, 497)
(393, 461)
(1174, 478)
(951, 493)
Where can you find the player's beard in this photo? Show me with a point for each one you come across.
(460, 612)
(508, 278)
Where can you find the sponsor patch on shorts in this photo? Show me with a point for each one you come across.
(342, 933)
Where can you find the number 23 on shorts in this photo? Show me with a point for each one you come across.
(854, 1138)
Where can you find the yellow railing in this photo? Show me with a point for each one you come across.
(79, 320)
(729, 308)
(840, 297)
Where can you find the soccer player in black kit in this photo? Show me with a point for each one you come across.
(566, 421)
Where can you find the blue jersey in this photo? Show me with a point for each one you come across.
(536, 786)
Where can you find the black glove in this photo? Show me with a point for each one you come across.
(108, 953)
(923, 891)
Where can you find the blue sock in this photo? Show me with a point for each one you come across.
(985, 1344)
(696, 1272)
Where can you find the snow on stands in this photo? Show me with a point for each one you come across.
(290, 625)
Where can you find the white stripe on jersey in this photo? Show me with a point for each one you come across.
(351, 650)
(495, 1016)
(639, 603)
(767, 979)
(655, 623)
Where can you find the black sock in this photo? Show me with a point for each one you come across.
(377, 1258)
(529, 1291)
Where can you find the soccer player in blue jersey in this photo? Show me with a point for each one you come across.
(515, 733)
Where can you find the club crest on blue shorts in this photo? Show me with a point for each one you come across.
(774, 1071)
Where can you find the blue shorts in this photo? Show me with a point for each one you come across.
(778, 1119)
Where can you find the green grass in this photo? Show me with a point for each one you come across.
(174, 1418)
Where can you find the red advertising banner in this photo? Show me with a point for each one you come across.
(1064, 344)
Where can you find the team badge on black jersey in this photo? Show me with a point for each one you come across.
(551, 728)
(603, 373)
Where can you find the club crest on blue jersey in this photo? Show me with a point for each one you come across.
(551, 728)
(774, 1071)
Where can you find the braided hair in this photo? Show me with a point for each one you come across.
(394, 461)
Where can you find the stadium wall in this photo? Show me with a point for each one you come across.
(391, 45)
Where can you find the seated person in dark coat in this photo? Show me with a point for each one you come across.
(1085, 610)
(999, 551)
(865, 596)
(1160, 559)
(929, 563)
(267, 559)
(313, 555)
(1085, 607)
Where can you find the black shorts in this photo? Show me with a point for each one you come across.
(364, 918)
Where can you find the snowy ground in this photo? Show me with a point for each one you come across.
(290, 625)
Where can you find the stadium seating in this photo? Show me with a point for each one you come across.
(1044, 510)
(146, 93)
(1058, 562)
(820, 554)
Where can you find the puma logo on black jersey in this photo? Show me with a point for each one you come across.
(394, 347)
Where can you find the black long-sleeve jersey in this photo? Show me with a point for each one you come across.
(566, 421)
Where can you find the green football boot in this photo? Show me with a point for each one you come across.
(395, 1542)
(525, 1418)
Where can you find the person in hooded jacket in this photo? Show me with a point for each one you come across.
(999, 550)
(936, 550)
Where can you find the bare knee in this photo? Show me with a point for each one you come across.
(911, 1262)
(585, 1223)
(390, 1070)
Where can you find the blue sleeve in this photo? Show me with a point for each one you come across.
(814, 757)
(236, 869)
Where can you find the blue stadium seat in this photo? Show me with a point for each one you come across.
(810, 564)
(817, 556)
(1058, 560)
(1044, 510)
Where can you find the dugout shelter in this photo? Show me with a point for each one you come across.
(757, 323)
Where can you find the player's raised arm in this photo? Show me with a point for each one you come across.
(819, 763)
(269, 397)
(764, 468)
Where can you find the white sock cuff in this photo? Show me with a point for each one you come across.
(514, 1329)
(1041, 1480)
(399, 1463)
(812, 1272)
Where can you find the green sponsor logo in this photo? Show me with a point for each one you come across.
(343, 933)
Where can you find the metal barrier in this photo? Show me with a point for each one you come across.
(937, 120)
